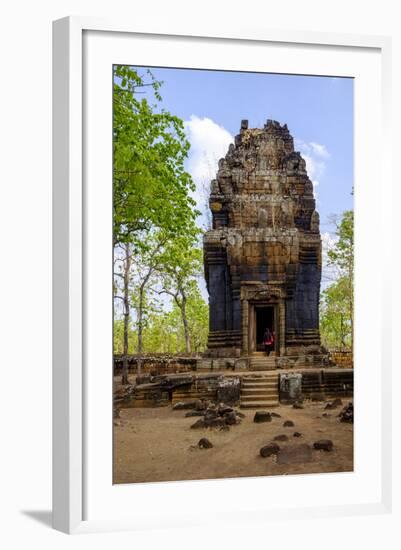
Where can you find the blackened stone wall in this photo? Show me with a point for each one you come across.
(264, 246)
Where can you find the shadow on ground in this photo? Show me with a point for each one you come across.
(41, 516)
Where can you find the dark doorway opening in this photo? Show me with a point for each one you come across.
(264, 319)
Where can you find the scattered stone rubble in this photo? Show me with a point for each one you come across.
(333, 404)
(184, 405)
(347, 414)
(281, 437)
(297, 405)
(212, 415)
(270, 449)
(323, 445)
(204, 443)
(288, 424)
(262, 416)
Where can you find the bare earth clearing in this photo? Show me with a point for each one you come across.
(157, 444)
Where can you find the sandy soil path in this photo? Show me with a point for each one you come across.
(158, 445)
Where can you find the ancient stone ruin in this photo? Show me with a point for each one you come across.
(263, 253)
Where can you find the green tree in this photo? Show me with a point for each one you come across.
(148, 260)
(341, 255)
(161, 333)
(335, 315)
(198, 320)
(181, 267)
(151, 186)
(164, 330)
(119, 337)
(151, 189)
(122, 274)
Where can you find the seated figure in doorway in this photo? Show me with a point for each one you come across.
(268, 340)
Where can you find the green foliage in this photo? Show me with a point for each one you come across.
(154, 215)
(118, 337)
(342, 253)
(198, 321)
(181, 266)
(335, 315)
(337, 301)
(163, 331)
(151, 187)
(181, 263)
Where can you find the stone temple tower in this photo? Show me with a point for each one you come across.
(263, 253)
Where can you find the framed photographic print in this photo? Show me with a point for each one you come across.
(219, 271)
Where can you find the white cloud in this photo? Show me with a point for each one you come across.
(314, 155)
(329, 272)
(319, 150)
(209, 142)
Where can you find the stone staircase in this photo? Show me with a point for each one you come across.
(262, 362)
(259, 391)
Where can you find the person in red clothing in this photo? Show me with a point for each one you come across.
(268, 340)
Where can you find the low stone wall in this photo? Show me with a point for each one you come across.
(342, 358)
(165, 389)
(328, 383)
(160, 364)
(316, 384)
(157, 364)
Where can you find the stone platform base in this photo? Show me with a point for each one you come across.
(261, 389)
(262, 362)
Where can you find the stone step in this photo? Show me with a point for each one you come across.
(265, 376)
(271, 360)
(258, 391)
(259, 404)
(260, 383)
(261, 362)
(261, 367)
(254, 398)
(191, 396)
(273, 386)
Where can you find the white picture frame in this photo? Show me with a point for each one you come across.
(72, 424)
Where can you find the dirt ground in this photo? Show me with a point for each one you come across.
(157, 444)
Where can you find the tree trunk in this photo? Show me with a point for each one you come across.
(140, 329)
(185, 323)
(127, 267)
(140, 319)
(351, 306)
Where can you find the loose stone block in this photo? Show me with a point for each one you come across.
(262, 416)
(323, 445)
(268, 450)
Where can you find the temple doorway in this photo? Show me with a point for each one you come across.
(264, 318)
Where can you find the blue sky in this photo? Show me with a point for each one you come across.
(317, 110)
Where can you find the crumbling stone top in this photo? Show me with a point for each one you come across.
(262, 182)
